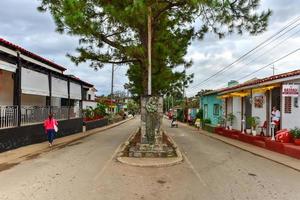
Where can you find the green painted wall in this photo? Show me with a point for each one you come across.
(212, 107)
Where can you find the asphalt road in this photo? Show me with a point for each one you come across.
(87, 169)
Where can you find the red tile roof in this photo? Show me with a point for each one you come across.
(264, 80)
(31, 55)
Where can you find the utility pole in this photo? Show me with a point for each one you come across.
(112, 85)
(273, 68)
(149, 49)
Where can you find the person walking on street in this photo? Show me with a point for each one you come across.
(50, 125)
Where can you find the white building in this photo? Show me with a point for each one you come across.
(258, 97)
(89, 97)
(31, 87)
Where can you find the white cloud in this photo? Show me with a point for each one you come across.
(22, 24)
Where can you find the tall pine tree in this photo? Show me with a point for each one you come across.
(115, 31)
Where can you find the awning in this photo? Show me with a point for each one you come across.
(234, 94)
(8, 66)
(75, 91)
(34, 83)
(59, 88)
(264, 89)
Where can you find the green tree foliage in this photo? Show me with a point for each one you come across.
(200, 114)
(115, 31)
(132, 107)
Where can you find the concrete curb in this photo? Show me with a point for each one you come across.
(43, 147)
(297, 168)
(270, 155)
(150, 162)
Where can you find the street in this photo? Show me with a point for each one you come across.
(87, 169)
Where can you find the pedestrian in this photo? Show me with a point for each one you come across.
(197, 123)
(50, 125)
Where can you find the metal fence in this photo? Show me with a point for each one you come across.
(60, 112)
(35, 114)
(8, 116)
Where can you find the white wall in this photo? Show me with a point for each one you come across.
(6, 88)
(92, 93)
(237, 111)
(291, 120)
(87, 104)
(260, 112)
(33, 100)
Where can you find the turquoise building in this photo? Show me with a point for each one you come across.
(212, 106)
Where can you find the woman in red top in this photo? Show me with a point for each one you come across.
(49, 125)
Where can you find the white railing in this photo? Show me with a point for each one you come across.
(33, 114)
(63, 112)
(8, 116)
(75, 112)
(60, 113)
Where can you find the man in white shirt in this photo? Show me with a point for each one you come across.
(275, 114)
(275, 117)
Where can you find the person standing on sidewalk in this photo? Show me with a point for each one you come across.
(50, 125)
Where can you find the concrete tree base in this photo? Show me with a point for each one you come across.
(146, 155)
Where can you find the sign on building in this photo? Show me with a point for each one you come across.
(290, 90)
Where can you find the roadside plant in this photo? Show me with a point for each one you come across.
(221, 120)
(253, 122)
(230, 118)
(295, 133)
(207, 121)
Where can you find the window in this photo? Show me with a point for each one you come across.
(89, 97)
(287, 104)
(216, 109)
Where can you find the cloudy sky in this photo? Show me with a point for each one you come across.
(23, 25)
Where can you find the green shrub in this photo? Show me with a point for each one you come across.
(230, 118)
(207, 121)
(295, 132)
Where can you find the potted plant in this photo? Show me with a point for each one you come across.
(253, 122)
(207, 121)
(221, 121)
(230, 118)
(296, 135)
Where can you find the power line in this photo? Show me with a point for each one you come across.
(249, 52)
(267, 51)
(292, 52)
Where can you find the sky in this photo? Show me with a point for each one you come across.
(22, 24)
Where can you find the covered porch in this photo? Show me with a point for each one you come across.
(247, 104)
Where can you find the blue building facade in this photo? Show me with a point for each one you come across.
(212, 106)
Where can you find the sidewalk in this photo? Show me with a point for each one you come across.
(274, 156)
(15, 156)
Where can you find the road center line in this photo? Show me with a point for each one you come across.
(193, 169)
(108, 162)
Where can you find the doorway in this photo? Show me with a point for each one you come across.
(248, 109)
(276, 101)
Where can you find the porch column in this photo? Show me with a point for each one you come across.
(268, 111)
(242, 112)
(49, 102)
(17, 88)
(69, 100)
(80, 101)
(226, 112)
